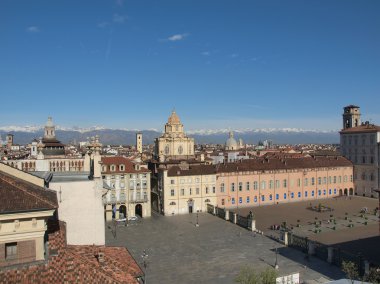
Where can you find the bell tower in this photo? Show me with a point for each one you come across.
(351, 116)
(49, 129)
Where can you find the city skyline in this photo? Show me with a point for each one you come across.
(127, 64)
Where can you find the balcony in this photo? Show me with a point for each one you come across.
(138, 200)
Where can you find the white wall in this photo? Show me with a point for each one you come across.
(80, 206)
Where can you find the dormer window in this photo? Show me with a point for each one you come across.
(122, 167)
(113, 168)
(104, 168)
(137, 167)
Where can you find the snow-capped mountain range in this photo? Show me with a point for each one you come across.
(25, 134)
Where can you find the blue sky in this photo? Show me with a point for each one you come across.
(220, 63)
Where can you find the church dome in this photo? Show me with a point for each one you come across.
(174, 119)
(231, 143)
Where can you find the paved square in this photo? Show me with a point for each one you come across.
(214, 252)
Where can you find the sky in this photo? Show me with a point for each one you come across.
(219, 63)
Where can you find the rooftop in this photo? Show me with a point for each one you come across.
(17, 195)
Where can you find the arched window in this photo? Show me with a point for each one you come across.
(121, 167)
(113, 168)
(172, 203)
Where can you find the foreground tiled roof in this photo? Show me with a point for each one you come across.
(17, 195)
(117, 161)
(76, 264)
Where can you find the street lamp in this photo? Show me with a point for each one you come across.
(276, 264)
(144, 257)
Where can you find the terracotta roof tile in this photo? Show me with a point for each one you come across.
(17, 195)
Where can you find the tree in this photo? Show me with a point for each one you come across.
(248, 275)
(268, 276)
(373, 276)
(351, 270)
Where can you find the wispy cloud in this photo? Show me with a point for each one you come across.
(33, 29)
(205, 53)
(234, 55)
(103, 24)
(119, 18)
(177, 37)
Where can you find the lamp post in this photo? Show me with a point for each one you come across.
(276, 264)
(378, 192)
(144, 257)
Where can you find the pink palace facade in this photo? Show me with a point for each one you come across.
(275, 180)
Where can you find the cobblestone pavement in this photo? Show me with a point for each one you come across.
(214, 252)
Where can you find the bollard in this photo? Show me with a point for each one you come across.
(235, 218)
(227, 215)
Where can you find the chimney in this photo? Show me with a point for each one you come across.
(101, 257)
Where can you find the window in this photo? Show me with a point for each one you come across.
(122, 185)
(172, 192)
(277, 196)
(223, 201)
(213, 189)
(312, 193)
(271, 183)
(306, 182)
(207, 200)
(334, 190)
(319, 192)
(312, 181)
(247, 199)
(292, 195)
(11, 251)
(240, 186)
(305, 193)
(190, 191)
(277, 183)
(182, 191)
(284, 195)
(172, 181)
(197, 190)
(329, 191)
(121, 167)
(299, 182)
(270, 197)
(329, 179)
(339, 179)
(255, 185)
(255, 199)
(319, 181)
(334, 179)
(113, 168)
(206, 189)
(197, 180)
(240, 200)
(262, 197)
(233, 200)
(247, 186)
(351, 178)
(263, 185)
(285, 183)
(299, 194)
(324, 192)
(324, 180)
(182, 180)
(232, 186)
(222, 187)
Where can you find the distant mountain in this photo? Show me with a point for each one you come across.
(24, 135)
